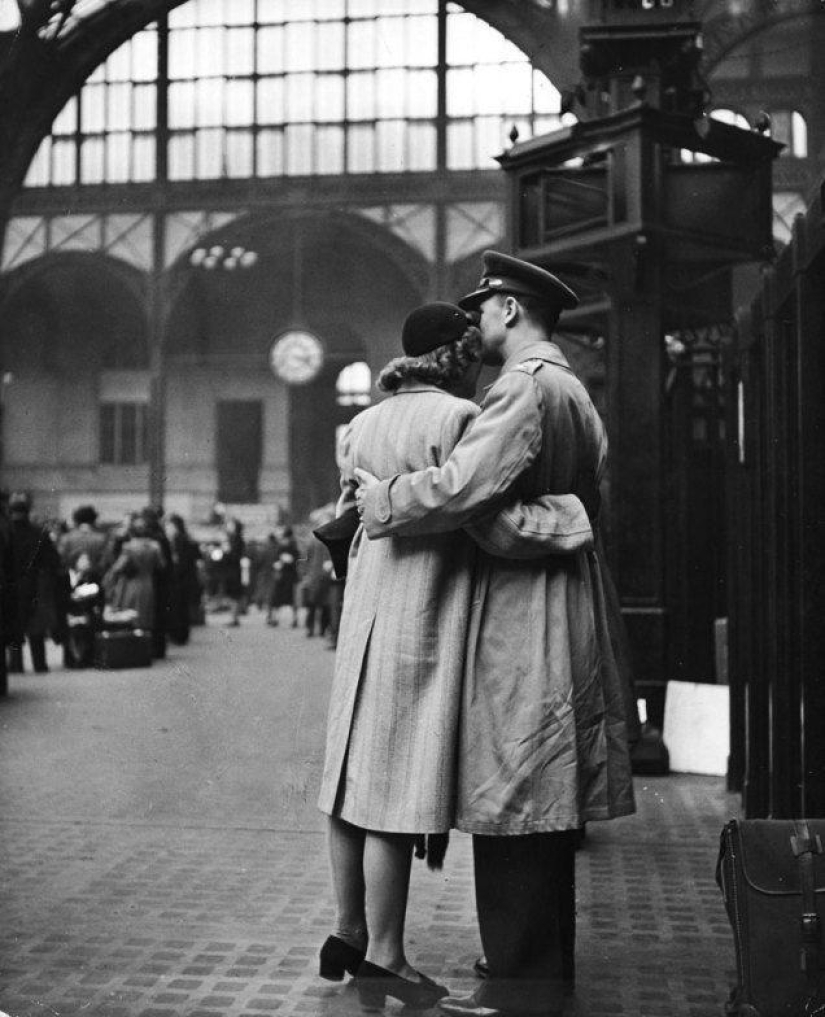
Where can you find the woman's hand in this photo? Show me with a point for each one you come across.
(365, 480)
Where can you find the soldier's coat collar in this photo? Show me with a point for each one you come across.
(540, 350)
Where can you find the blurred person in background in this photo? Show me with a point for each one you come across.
(36, 570)
(285, 571)
(153, 518)
(130, 582)
(234, 553)
(184, 584)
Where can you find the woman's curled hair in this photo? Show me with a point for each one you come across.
(444, 366)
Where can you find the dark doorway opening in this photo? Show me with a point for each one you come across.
(239, 447)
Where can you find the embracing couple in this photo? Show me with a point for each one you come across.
(479, 680)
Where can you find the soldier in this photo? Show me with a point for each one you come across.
(545, 718)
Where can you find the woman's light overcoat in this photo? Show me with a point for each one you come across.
(390, 755)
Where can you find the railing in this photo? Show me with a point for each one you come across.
(775, 373)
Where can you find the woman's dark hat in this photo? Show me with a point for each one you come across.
(433, 325)
(505, 274)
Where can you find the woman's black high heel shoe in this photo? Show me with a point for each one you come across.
(374, 984)
(337, 956)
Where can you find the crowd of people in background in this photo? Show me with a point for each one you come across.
(153, 570)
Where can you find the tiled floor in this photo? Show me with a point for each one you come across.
(111, 915)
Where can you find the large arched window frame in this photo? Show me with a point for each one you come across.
(271, 88)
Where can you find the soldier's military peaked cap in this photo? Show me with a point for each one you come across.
(505, 274)
(433, 325)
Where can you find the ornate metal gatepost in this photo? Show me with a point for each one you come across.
(656, 202)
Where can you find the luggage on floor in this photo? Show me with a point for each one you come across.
(123, 648)
(772, 876)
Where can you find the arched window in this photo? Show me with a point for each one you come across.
(262, 88)
(354, 384)
(789, 128)
(730, 116)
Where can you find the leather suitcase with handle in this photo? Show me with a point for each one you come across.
(772, 876)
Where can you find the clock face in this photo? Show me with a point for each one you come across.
(296, 357)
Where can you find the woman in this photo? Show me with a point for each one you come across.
(131, 579)
(389, 771)
(285, 576)
(184, 579)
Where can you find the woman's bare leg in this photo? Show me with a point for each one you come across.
(346, 857)
(387, 860)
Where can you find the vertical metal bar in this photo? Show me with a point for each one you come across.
(438, 285)
(157, 295)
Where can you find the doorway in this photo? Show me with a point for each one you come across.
(239, 449)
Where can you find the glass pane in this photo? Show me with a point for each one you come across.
(270, 11)
(514, 83)
(240, 103)
(299, 149)
(299, 105)
(66, 120)
(183, 17)
(92, 163)
(461, 30)
(391, 136)
(546, 97)
(361, 96)
(128, 433)
(209, 158)
(182, 53)
(422, 41)
(270, 101)
(329, 97)
(489, 95)
(270, 153)
(119, 64)
(422, 94)
(107, 433)
(490, 140)
(300, 46)
(209, 102)
(182, 104)
(210, 52)
(361, 149)
(93, 109)
(145, 56)
(421, 147)
(460, 145)
(143, 157)
(270, 50)
(143, 107)
(181, 154)
(390, 92)
(330, 9)
(119, 107)
(38, 174)
(330, 40)
(211, 12)
(239, 153)
(240, 51)
(329, 150)
(63, 162)
(460, 93)
(240, 12)
(361, 44)
(390, 42)
(118, 148)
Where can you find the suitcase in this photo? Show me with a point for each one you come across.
(123, 648)
(772, 876)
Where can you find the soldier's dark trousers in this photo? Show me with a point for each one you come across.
(525, 897)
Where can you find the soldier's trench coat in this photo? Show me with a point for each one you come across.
(391, 750)
(547, 708)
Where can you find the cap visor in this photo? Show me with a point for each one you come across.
(473, 300)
